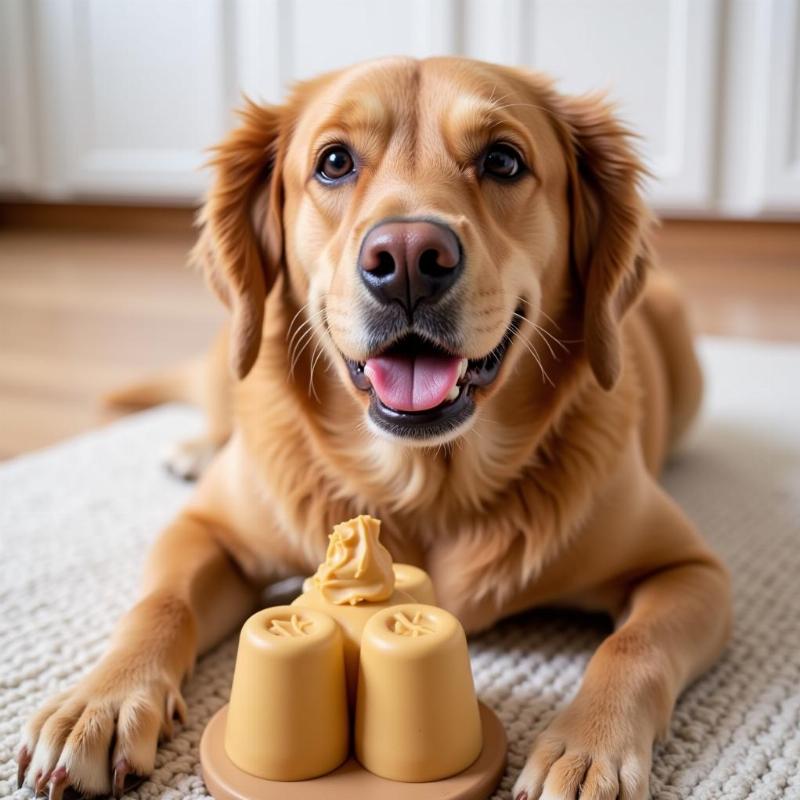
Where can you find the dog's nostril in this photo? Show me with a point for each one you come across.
(386, 265)
(429, 264)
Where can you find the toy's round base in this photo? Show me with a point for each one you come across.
(351, 781)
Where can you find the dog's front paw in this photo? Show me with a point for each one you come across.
(189, 459)
(125, 704)
(588, 754)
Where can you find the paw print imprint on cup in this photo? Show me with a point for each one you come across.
(403, 626)
(293, 627)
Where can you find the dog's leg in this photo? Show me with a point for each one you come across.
(193, 597)
(675, 624)
(189, 458)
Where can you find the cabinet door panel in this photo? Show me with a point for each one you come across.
(760, 142)
(280, 41)
(783, 157)
(326, 35)
(17, 165)
(134, 91)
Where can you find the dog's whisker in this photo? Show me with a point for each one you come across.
(304, 324)
(315, 356)
(296, 347)
(297, 351)
(298, 333)
(541, 311)
(305, 327)
(549, 319)
(314, 360)
(543, 332)
(304, 337)
(560, 342)
(294, 318)
(558, 327)
(538, 329)
(540, 333)
(546, 336)
(309, 322)
(529, 346)
(305, 340)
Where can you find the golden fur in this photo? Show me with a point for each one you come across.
(547, 496)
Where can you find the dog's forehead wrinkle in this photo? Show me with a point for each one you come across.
(365, 113)
(413, 123)
(377, 90)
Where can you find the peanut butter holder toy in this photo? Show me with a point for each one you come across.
(361, 688)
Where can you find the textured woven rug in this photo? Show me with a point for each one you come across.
(75, 521)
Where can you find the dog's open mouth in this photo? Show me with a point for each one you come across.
(418, 389)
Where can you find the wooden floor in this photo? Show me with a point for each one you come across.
(91, 299)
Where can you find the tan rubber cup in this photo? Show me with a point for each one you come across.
(352, 620)
(417, 716)
(288, 716)
(415, 581)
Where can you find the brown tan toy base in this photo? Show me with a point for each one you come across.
(351, 781)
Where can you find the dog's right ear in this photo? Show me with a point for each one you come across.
(240, 248)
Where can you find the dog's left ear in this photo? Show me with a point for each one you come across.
(240, 248)
(610, 224)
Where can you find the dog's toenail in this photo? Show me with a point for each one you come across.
(522, 796)
(121, 770)
(40, 784)
(59, 781)
(24, 761)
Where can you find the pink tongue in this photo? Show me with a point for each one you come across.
(408, 383)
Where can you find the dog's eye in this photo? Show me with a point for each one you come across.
(334, 164)
(502, 161)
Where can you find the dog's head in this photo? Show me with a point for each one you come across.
(433, 220)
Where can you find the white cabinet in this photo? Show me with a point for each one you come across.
(120, 99)
(760, 124)
(325, 35)
(17, 146)
(131, 94)
(658, 59)
(782, 163)
(280, 41)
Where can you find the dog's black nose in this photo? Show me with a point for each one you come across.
(408, 262)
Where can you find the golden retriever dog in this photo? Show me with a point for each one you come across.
(444, 313)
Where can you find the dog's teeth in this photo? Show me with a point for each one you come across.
(462, 368)
(453, 393)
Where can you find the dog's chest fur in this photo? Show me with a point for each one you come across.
(486, 516)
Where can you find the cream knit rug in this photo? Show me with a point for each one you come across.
(75, 521)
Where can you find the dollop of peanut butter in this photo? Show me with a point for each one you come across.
(357, 567)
